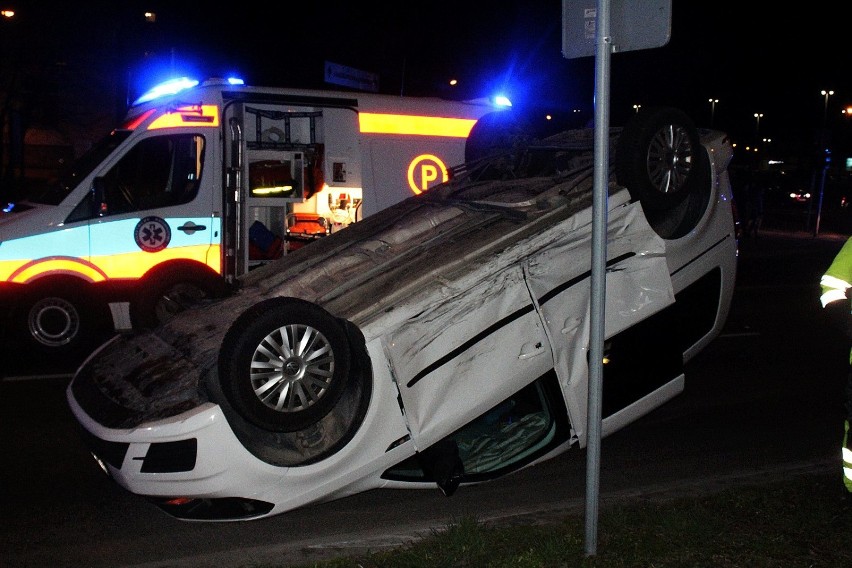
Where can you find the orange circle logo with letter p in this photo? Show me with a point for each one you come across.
(424, 171)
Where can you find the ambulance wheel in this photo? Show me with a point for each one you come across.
(284, 364)
(656, 158)
(165, 293)
(61, 318)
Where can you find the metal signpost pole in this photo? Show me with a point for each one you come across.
(603, 51)
(593, 31)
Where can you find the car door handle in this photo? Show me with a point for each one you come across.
(189, 227)
(526, 353)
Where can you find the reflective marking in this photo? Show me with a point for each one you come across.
(136, 264)
(192, 115)
(375, 123)
(58, 265)
(124, 266)
(133, 123)
(118, 255)
(424, 171)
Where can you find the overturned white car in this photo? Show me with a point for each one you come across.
(442, 341)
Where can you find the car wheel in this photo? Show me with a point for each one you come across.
(284, 364)
(656, 158)
(677, 221)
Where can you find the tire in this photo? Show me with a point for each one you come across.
(284, 364)
(656, 157)
(165, 294)
(678, 221)
(60, 318)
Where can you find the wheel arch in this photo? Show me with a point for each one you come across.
(181, 268)
(160, 279)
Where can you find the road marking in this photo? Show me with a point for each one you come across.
(740, 334)
(35, 377)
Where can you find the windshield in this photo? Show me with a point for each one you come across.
(52, 192)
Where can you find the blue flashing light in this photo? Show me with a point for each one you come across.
(502, 101)
(235, 81)
(170, 87)
(8, 208)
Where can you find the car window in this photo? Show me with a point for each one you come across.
(506, 437)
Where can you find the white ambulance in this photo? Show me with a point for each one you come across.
(198, 187)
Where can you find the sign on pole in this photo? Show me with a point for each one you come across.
(634, 25)
(350, 77)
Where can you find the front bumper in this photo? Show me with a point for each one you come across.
(194, 467)
(191, 465)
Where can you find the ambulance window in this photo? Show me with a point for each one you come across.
(161, 171)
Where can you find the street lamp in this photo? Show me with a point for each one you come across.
(637, 107)
(758, 116)
(825, 94)
(826, 157)
(712, 109)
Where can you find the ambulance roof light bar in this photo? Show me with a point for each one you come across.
(498, 101)
(170, 87)
(180, 84)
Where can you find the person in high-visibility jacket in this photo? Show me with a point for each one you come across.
(836, 285)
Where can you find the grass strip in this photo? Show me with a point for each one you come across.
(802, 522)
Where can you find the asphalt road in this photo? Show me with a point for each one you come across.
(762, 401)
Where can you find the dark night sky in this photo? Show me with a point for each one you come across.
(752, 59)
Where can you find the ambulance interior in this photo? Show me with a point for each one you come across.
(290, 202)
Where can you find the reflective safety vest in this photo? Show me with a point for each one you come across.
(847, 458)
(838, 278)
(834, 284)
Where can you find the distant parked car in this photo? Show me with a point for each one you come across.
(800, 195)
(442, 341)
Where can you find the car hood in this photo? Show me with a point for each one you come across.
(19, 220)
(376, 273)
